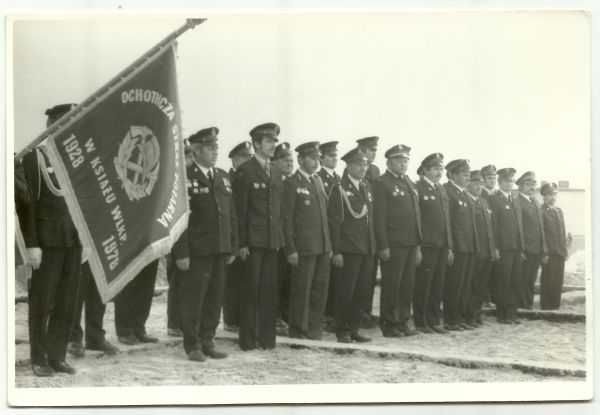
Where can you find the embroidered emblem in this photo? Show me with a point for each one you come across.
(507, 207)
(425, 197)
(432, 197)
(307, 202)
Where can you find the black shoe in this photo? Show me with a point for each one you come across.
(424, 329)
(62, 367)
(407, 331)
(453, 327)
(103, 346)
(144, 338)
(43, 371)
(368, 321)
(76, 350)
(439, 330)
(197, 356)
(129, 340)
(213, 353)
(504, 321)
(393, 332)
(359, 338)
(515, 321)
(344, 339)
(466, 326)
(479, 321)
(174, 332)
(233, 328)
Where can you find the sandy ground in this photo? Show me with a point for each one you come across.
(167, 365)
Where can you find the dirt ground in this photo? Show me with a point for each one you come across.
(168, 365)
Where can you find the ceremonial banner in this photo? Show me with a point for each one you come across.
(119, 161)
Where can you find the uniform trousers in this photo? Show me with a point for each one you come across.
(551, 282)
(508, 284)
(429, 287)
(457, 286)
(88, 295)
(397, 285)
(352, 292)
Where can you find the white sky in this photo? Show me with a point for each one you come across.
(512, 89)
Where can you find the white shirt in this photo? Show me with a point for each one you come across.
(206, 170)
(260, 160)
(329, 171)
(460, 189)
(506, 195)
(432, 184)
(473, 197)
(305, 174)
(355, 182)
(393, 174)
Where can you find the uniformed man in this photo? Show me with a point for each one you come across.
(368, 146)
(534, 248)
(436, 246)
(350, 216)
(465, 244)
(508, 230)
(258, 192)
(398, 235)
(558, 241)
(307, 244)
(487, 250)
(203, 250)
(240, 154)
(174, 295)
(283, 158)
(329, 177)
(54, 251)
(88, 295)
(490, 180)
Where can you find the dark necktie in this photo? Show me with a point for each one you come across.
(210, 177)
(268, 168)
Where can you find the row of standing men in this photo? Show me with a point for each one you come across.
(296, 246)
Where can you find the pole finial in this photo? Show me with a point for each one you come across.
(192, 23)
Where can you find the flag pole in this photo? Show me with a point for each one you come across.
(189, 24)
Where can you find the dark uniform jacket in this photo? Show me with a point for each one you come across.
(485, 229)
(305, 216)
(396, 212)
(350, 234)
(486, 194)
(507, 223)
(212, 225)
(462, 220)
(46, 221)
(328, 180)
(258, 201)
(533, 226)
(554, 228)
(372, 174)
(435, 215)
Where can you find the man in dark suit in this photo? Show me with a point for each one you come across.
(258, 193)
(350, 216)
(203, 250)
(436, 246)
(54, 251)
(398, 235)
(307, 244)
(283, 159)
(558, 241)
(368, 146)
(329, 177)
(465, 244)
(240, 154)
(534, 240)
(508, 230)
(487, 250)
(174, 296)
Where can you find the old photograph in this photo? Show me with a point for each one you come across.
(292, 205)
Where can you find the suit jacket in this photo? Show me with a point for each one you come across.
(435, 215)
(555, 232)
(46, 221)
(507, 222)
(258, 200)
(350, 234)
(462, 220)
(305, 223)
(328, 180)
(212, 225)
(372, 174)
(485, 229)
(396, 212)
(533, 226)
(486, 194)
